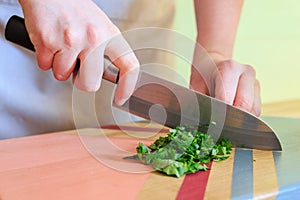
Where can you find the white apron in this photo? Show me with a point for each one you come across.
(32, 101)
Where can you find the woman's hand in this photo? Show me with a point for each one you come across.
(233, 83)
(64, 31)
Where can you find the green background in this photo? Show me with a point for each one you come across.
(268, 39)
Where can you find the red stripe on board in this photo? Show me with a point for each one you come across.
(194, 185)
(135, 128)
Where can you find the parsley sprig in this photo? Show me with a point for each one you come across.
(183, 151)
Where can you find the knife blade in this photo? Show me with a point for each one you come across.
(172, 105)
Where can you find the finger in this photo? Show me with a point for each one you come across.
(245, 92)
(256, 108)
(226, 81)
(44, 58)
(129, 70)
(197, 82)
(64, 64)
(89, 76)
(201, 73)
(121, 54)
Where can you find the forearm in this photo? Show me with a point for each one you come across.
(217, 22)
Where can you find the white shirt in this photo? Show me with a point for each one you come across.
(33, 102)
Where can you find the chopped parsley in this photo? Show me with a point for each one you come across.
(183, 151)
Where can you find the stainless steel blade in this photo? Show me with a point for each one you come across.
(173, 105)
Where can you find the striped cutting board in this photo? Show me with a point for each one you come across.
(65, 166)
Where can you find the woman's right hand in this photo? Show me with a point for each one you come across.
(64, 31)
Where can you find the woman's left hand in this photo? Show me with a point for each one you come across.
(233, 83)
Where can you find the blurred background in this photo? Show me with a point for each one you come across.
(268, 39)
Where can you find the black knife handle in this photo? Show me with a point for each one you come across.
(15, 31)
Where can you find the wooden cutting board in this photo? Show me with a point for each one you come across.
(58, 166)
(61, 166)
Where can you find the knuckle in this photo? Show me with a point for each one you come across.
(228, 66)
(96, 35)
(93, 36)
(250, 70)
(47, 41)
(70, 38)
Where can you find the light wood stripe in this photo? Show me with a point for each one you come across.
(220, 179)
(265, 183)
(167, 189)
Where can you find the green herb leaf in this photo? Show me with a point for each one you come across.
(183, 151)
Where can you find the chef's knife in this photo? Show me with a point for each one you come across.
(172, 105)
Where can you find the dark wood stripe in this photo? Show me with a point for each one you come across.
(135, 128)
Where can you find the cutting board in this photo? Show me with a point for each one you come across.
(77, 165)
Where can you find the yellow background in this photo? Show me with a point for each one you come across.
(268, 38)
